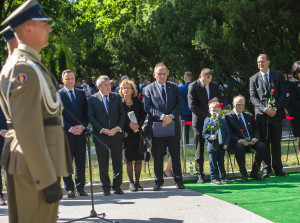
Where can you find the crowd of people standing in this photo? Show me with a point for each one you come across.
(38, 149)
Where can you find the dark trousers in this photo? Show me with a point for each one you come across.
(216, 164)
(158, 151)
(78, 152)
(199, 154)
(273, 139)
(240, 151)
(187, 127)
(115, 144)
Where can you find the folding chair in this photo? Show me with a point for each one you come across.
(231, 152)
(290, 139)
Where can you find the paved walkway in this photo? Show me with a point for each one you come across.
(170, 205)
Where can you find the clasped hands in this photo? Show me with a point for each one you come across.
(253, 142)
(271, 112)
(214, 137)
(167, 119)
(110, 132)
(77, 130)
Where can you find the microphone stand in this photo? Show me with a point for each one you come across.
(87, 134)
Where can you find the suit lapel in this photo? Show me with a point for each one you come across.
(67, 98)
(159, 92)
(248, 127)
(98, 95)
(262, 83)
(271, 79)
(169, 92)
(77, 95)
(237, 120)
(111, 101)
(202, 88)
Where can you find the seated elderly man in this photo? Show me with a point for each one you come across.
(244, 134)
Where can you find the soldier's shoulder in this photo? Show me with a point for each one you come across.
(17, 67)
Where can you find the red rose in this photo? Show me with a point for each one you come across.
(221, 105)
(273, 91)
(241, 131)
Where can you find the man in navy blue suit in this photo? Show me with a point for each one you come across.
(163, 103)
(3, 131)
(186, 113)
(75, 102)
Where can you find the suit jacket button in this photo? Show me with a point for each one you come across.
(37, 182)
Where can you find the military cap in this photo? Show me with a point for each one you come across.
(31, 9)
(7, 34)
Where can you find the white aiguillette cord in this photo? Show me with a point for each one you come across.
(51, 106)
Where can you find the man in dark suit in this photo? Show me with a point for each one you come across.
(75, 102)
(163, 103)
(201, 92)
(269, 116)
(186, 113)
(244, 133)
(107, 116)
(3, 131)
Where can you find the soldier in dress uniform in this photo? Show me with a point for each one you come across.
(11, 42)
(35, 153)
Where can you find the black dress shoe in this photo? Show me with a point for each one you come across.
(180, 185)
(71, 194)
(106, 192)
(82, 193)
(138, 187)
(256, 176)
(156, 187)
(118, 191)
(245, 179)
(280, 173)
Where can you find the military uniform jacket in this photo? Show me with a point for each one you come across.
(35, 150)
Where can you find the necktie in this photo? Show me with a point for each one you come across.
(106, 103)
(266, 82)
(207, 91)
(163, 93)
(243, 125)
(73, 99)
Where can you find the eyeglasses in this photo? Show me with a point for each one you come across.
(127, 88)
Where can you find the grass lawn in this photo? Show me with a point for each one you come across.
(276, 198)
(190, 152)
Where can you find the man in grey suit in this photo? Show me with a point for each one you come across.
(163, 103)
(269, 118)
(106, 114)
